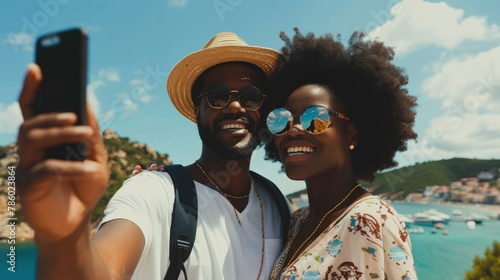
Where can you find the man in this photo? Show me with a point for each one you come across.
(238, 234)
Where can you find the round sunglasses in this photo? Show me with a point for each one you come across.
(314, 120)
(249, 97)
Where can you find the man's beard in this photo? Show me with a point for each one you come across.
(212, 142)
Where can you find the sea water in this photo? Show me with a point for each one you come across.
(448, 257)
(25, 261)
(437, 256)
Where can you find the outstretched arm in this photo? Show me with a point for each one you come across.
(58, 196)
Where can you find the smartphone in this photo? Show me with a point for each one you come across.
(62, 57)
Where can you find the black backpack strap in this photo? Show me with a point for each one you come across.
(184, 219)
(279, 199)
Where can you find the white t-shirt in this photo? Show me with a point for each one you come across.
(223, 249)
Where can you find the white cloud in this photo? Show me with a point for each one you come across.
(103, 76)
(128, 103)
(141, 87)
(468, 125)
(139, 93)
(121, 107)
(10, 118)
(92, 87)
(20, 41)
(89, 28)
(177, 3)
(109, 74)
(125, 103)
(471, 136)
(417, 23)
(471, 82)
(135, 82)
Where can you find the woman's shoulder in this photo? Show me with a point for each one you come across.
(374, 206)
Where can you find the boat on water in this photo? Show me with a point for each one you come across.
(445, 218)
(477, 218)
(431, 217)
(471, 224)
(458, 215)
(439, 225)
(416, 230)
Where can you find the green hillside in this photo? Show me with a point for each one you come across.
(397, 183)
(123, 154)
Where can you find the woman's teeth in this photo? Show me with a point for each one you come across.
(299, 150)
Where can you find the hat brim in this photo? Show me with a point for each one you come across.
(184, 74)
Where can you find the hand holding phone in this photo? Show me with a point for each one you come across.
(62, 57)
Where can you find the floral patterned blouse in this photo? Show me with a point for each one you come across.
(369, 241)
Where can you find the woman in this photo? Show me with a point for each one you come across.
(339, 115)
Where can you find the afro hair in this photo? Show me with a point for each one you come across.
(362, 77)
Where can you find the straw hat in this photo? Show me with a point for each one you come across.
(223, 47)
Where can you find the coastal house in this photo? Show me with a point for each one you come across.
(436, 193)
(456, 185)
(481, 189)
(476, 198)
(493, 197)
(471, 182)
(416, 197)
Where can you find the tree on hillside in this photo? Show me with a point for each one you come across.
(487, 268)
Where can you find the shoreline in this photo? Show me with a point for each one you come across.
(493, 209)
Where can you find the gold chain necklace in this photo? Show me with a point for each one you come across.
(313, 232)
(238, 218)
(217, 187)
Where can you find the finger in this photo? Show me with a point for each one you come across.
(32, 146)
(53, 125)
(34, 183)
(46, 130)
(49, 120)
(27, 97)
(43, 138)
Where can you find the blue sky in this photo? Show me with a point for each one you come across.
(450, 50)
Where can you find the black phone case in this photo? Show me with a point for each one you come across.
(62, 56)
